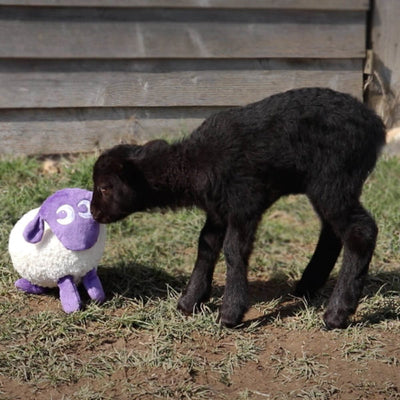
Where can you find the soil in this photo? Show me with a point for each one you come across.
(279, 371)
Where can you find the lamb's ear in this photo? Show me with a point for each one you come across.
(108, 164)
(33, 232)
(156, 145)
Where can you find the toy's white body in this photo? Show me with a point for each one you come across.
(46, 262)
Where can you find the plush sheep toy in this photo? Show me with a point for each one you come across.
(59, 244)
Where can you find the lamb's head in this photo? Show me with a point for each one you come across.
(67, 212)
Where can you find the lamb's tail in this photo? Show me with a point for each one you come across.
(374, 141)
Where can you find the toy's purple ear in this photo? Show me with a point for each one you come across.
(33, 232)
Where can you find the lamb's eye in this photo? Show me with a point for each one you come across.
(66, 214)
(84, 209)
(105, 190)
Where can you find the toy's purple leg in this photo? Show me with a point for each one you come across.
(26, 286)
(69, 295)
(93, 286)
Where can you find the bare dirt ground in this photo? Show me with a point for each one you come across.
(288, 355)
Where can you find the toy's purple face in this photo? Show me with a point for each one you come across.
(67, 212)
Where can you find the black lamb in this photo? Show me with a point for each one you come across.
(237, 164)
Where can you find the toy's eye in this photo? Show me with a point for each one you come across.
(84, 209)
(66, 214)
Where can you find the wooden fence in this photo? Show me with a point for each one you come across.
(81, 75)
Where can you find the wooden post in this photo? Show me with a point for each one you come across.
(384, 90)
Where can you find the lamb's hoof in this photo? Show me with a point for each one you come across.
(229, 323)
(28, 287)
(186, 307)
(307, 291)
(232, 317)
(335, 320)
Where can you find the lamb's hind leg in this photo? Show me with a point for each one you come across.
(199, 287)
(358, 231)
(321, 263)
(238, 245)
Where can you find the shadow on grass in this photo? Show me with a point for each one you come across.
(281, 289)
(381, 293)
(135, 280)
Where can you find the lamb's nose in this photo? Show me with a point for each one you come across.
(95, 213)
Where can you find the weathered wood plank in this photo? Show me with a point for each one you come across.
(74, 131)
(259, 4)
(384, 92)
(135, 84)
(138, 33)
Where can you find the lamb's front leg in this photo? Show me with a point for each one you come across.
(199, 287)
(238, 245)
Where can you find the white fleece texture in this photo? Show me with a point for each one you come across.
(44, 263)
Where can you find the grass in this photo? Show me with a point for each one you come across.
(138, 346)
